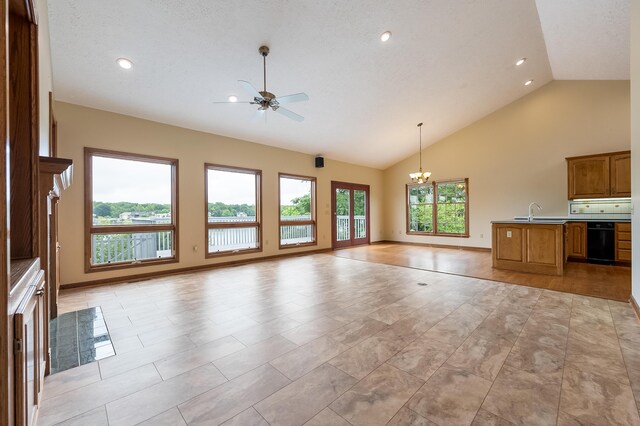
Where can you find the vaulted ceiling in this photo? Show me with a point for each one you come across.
(447, 64)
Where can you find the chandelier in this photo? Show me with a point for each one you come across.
(420, 176)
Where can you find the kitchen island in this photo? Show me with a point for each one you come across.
(523, 246)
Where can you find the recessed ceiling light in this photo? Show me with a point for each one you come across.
(520, 61)
(233, 98)
(124, 63)
(528, 82)
(385, 36)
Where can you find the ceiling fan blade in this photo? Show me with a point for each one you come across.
(227, 102)
(248, 87)
(259, 115)
(289, 99)
(292, 115)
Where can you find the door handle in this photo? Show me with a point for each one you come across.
(40, 292)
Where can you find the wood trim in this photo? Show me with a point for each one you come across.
(25, 9)
(90, 229)
(456, 247)
(6, 378)
(132, 264)
(313, 210)
(170, 272)
(434, 210)
(582, 157)
(133, 156)
(224, 225)
(124, 229)
(334, 231)
(256, 224)
(53, 129)
(635, 306)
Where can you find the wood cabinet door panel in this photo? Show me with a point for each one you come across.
(577, 240)
(621, 175)
(541, 245)
(509, 244)
(30, 353)
(589, 177)
(624, 255)
(624, 245)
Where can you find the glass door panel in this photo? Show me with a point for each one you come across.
(360, 215)
(350, 205)
(343, 214)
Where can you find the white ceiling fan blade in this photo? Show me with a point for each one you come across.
(259, 115)
(248, 87)
(289, 99)
(228, 102)
(292, 115)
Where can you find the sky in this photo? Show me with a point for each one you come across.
(117, 180)
(238, 188)
(134, 181)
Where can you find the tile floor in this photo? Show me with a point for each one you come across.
(324, 340)
(78, 338)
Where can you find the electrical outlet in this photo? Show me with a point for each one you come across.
(195, 248)
(509, 234)
(481, 235)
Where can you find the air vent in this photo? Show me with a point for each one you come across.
(423, 284)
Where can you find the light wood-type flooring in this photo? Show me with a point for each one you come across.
(325, 340)
(606, 281)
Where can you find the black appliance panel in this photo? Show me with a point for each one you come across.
(601, 241)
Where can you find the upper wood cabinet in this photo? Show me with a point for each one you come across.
(621, 175)
(599, 176)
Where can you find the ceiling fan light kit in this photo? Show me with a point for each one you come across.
(267, 100)
(420, 176)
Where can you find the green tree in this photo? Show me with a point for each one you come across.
(102, 209)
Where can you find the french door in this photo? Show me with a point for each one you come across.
(350, 207)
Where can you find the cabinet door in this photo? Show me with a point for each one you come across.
(621, 175)
(577, 240)
(589, 177)
(30, 352)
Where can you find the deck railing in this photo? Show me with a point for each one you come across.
(344, 230)
(111, 248)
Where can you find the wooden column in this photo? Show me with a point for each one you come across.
(55, 177)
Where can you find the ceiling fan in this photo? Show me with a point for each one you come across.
(266, 99)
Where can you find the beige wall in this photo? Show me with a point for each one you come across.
(517, 155)
(635, 142)
(79, 127)
(45, 79)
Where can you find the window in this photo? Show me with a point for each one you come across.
(297, 210)
(438, 208)
(131, 209)
(233, 210)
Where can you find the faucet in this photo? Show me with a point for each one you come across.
(531, 210)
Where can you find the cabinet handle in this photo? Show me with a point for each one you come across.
(40, 292)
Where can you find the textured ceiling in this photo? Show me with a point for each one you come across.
(587, 39)
(447, 64)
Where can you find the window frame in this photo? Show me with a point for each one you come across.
(91, 229)
(223, 225)
(313, 210)
(434, 212)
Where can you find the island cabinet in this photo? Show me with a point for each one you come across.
(529, 247)
(576, 242)
(599, 176)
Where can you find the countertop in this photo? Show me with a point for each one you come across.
(534, 222)
(572, 219)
